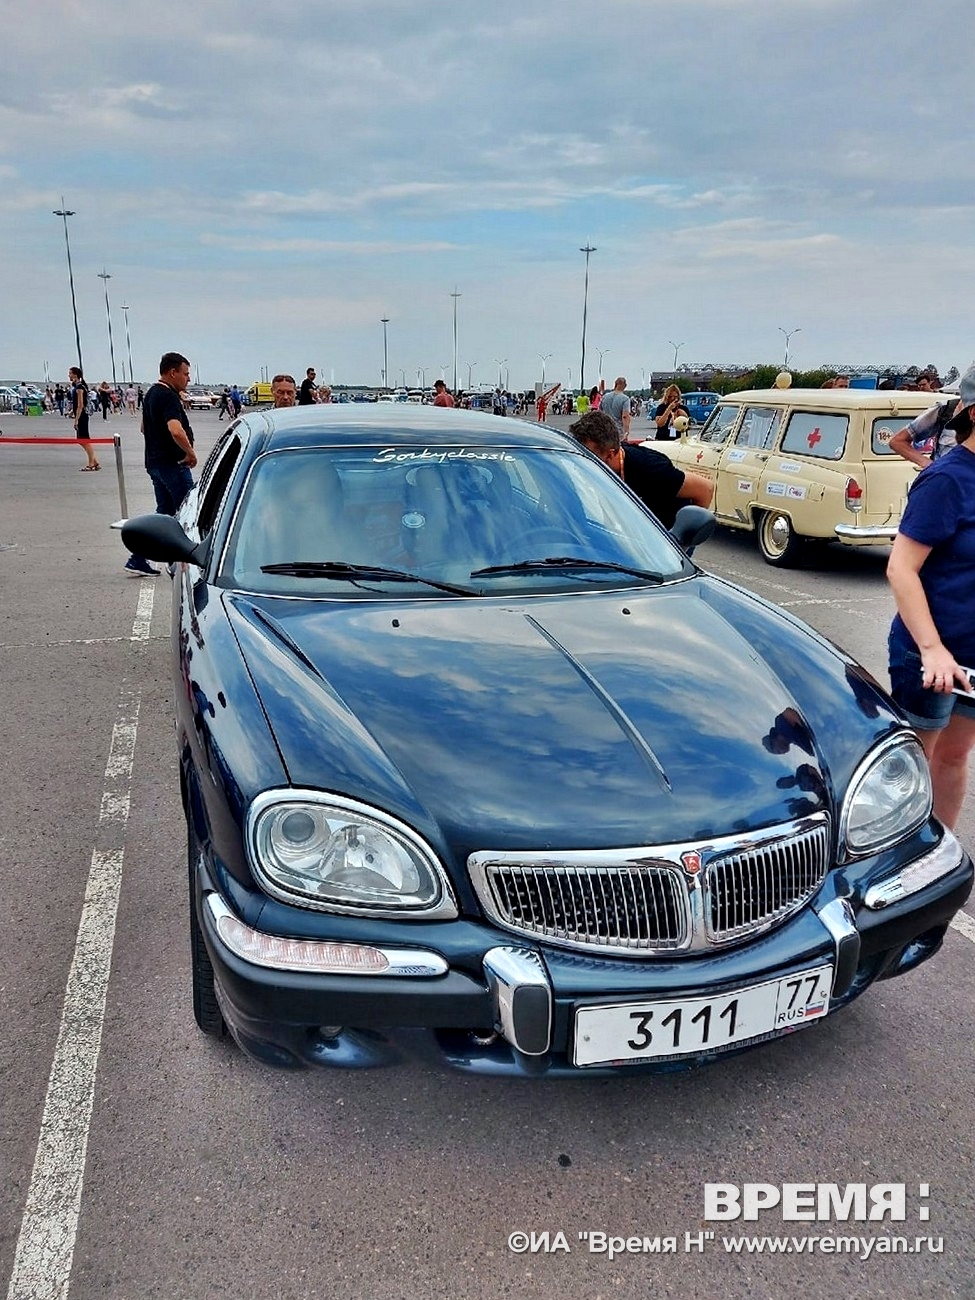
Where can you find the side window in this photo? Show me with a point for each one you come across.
(719, 425)
(759, 426)
(884, 428)
(214, 479)
(811, 434)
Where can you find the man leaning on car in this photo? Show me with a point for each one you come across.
(656, 480)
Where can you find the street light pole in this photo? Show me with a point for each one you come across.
(545, 357)
(788, 335)
(602, 352)
(128, 344)
(455, 295)
(64, 213)
(677, 347)
(385, 322)
(104, 276)
(470, 367)
(589, 248)
(500, 361)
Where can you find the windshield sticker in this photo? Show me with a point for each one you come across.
(884, 434)
(789, 467)
(438, 455)
(775, 489)
(745, 485)
(796, 492)
(413, 519)
(735, 456)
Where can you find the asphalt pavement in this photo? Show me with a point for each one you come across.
(183, 1171)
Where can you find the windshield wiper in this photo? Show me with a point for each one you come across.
(568, 562)
(338, 569)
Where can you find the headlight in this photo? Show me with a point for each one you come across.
(889, 796)
(332, 853)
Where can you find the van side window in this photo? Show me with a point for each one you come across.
(812, 434)
(719, 425)
(759, 426)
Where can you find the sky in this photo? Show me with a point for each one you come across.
(264, 182)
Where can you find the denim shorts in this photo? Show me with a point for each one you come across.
(926, 710)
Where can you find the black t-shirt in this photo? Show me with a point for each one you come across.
(655, 480)
(160, 405)
(306, 393)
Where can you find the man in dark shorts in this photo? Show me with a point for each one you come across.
(656, 480)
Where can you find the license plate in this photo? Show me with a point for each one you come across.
(646, 1031)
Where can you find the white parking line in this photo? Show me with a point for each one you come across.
(965, 925)
(45, 1246)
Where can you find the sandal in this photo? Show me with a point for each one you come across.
(96, 465)
(86, 469)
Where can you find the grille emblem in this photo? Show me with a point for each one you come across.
(691, 862)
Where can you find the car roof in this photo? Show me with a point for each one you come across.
(890, 400)
(396, 424)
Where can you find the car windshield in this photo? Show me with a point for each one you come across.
(367, 521)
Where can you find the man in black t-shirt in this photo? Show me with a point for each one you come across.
(169, 437)
(308, 392)
(656, 480)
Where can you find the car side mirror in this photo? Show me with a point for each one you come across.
(693, 525)
(161, 538)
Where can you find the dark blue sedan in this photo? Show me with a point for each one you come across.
(476, 761)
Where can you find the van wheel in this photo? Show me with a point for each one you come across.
(206, 1009)
(778, 541)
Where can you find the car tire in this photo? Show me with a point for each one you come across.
(778, 541)
(206, 1008)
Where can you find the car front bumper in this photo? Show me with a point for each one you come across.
(497, 1004)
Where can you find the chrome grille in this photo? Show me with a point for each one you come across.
(626, 908)
(656, 900)
(758, 886)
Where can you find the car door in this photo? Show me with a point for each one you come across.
(700, 450)
(742, 463)
(806, 478)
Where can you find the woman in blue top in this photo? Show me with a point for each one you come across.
(932, 638)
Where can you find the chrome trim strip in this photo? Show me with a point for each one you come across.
(868, 533)
(917, 875)
(521, 997)
(408, 962)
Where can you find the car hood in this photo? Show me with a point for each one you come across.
(577, 721)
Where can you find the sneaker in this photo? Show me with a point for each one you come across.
(136, 564)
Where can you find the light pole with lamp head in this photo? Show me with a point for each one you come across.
(500, 361)
(128, 344)
(589, 248)
(385, 322)
(602, 352)
(455, 295)
(677, 347)
(470, 368)
(64, 213)
(543, 357)
(104, 276)
(788, 335)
